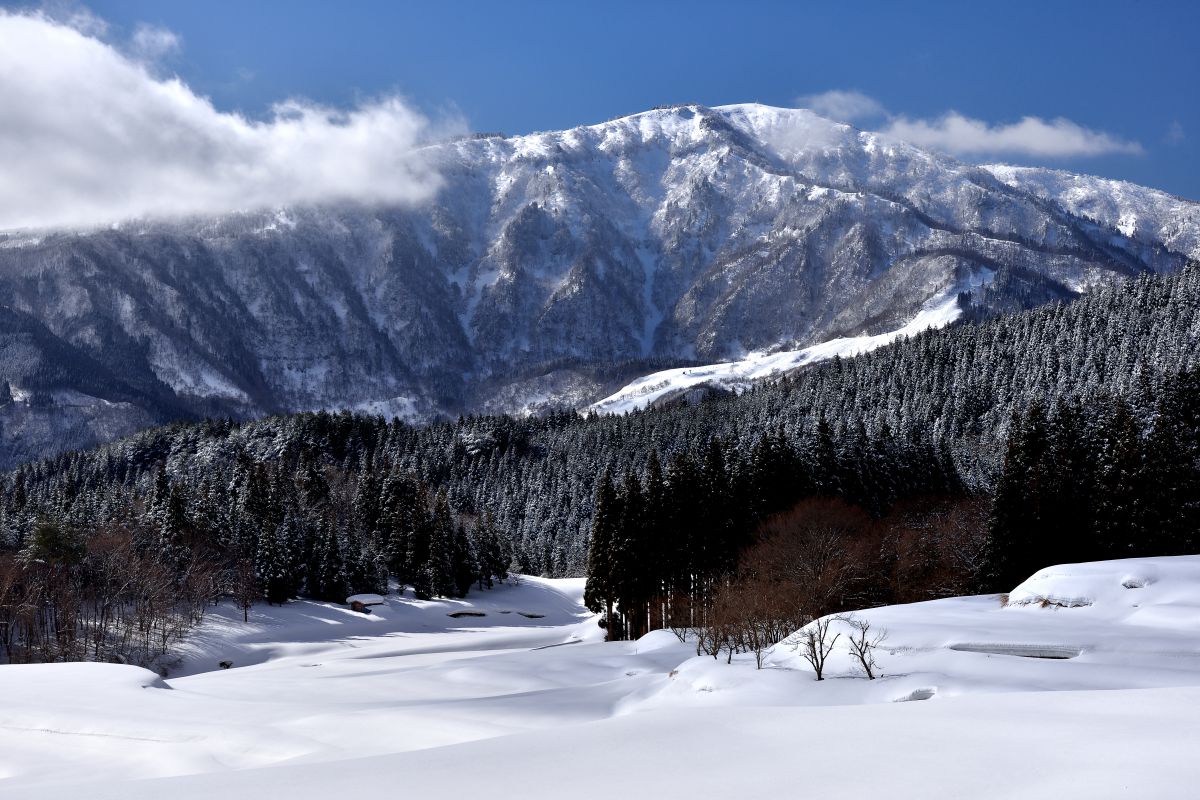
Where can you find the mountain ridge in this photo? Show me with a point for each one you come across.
(550, 270)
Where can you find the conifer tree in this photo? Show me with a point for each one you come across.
(327, 574)
(1120, 484)
(464, 561)
(273, 564)
(1171, 469)
(440, 574)
(1068, 513)
(653, 549)
(1015, 527)
(600, 592)
(627, 558)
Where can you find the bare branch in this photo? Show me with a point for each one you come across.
(814, 645)
(863, 642)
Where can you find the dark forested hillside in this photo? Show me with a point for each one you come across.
(330, 503)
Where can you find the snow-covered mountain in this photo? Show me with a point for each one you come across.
(550, 270)
(1147, 215)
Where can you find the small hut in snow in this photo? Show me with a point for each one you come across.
(362, 602)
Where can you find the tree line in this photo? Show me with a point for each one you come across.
(1084, 481)
(129, 586)
(740, 561)
(328, 504)
(665, 542)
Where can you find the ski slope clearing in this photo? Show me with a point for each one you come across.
(738, 375)
(1084, 683)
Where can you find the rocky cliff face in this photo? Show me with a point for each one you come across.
(550, 269)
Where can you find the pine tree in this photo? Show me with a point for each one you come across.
(464, 561)
(627, 557)
(1068, 521)
(653, 552)
(822, 459)
(1171, 470)
(440, 574)
(493, 556)
(400, 510)
(1120, 485)
(1015, 527)
(327, 573)
(420, 544)
(273, 564)
(600, 592)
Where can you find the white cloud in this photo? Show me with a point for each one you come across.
(1175, 133)
(843, 105)
(151, 43)
(89, 136)
(75, 15)
(960, 135)
(1032, 136)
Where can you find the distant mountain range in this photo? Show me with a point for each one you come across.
(550, 270)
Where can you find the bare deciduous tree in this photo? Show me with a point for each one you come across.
(245, 587)
(814, 645)
(863, 642)
(108, 600)
(806, 549)
(753, 615)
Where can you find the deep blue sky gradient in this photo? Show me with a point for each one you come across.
(1131, 69)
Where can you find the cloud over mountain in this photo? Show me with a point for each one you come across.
(844, 105)
(92, 136)
(960, 135)
(1031, 136)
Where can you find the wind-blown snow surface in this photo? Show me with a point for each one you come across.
(739, 375)
(323, 702)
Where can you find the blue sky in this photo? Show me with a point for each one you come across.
(1128, 69)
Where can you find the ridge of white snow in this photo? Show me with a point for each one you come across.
(1148, 215)
(739, 375)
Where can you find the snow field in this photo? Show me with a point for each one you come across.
(978, 697)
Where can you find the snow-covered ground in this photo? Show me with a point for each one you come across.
(1084, 684)
(738, 375)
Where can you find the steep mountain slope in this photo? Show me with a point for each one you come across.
(944, 397)
(1147, 215)
(550, 270)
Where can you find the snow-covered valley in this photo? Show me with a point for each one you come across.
(1082, 682)
(667, 402)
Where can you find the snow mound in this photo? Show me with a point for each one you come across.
(1068, 627)
(657, 640)
(1107, 583)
